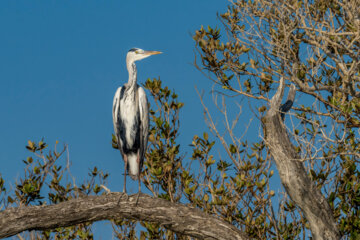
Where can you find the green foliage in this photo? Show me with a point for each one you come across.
(345, 200)
(43, 183)
(163, 164)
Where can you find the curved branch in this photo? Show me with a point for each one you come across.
(173, 216)
(293, 175)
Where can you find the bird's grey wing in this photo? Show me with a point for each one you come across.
(116, 116)
(144, 121)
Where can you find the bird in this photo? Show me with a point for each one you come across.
(289, 102)
(130, 114)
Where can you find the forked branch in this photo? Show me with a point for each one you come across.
(293, 175)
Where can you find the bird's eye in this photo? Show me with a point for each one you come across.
(136, 51)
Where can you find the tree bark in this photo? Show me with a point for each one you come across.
(293, 175)
(173, 216)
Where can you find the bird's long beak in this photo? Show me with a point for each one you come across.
(152, 52)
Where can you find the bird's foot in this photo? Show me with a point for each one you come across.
(121, 195)
(137, 198)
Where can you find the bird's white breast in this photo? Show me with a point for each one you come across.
(128, 112)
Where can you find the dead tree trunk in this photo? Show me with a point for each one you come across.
(293, 175)
(173, 216)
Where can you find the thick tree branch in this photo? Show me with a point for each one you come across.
(293, 175)
(173, 216)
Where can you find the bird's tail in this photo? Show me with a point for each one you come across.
(133, 166)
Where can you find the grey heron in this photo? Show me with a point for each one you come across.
(131, 118)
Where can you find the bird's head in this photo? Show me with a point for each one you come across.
(136, 54)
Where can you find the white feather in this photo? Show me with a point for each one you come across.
(133, 166)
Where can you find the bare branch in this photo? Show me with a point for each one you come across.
(173, 216)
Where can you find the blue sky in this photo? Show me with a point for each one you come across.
(62, 61)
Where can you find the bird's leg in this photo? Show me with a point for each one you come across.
(138, 162)
(124, 190)
(139, 173)
(125, 161)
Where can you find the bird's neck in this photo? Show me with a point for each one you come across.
(132, 75)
